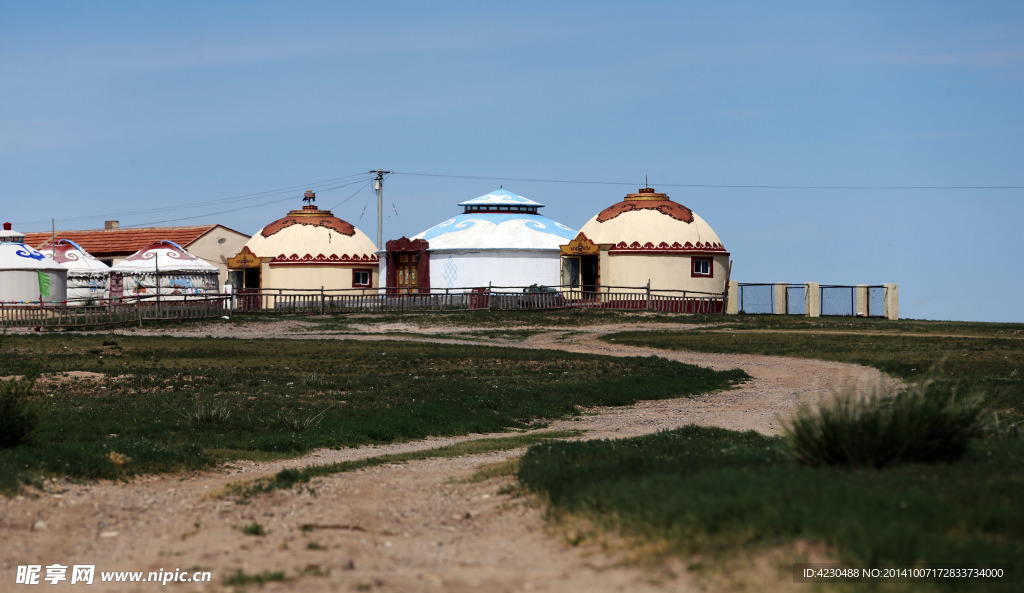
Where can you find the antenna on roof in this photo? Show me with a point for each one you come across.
(645, 181)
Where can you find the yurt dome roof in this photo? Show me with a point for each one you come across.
(165, 257)
(312, 235)
(649, 220)
(72, 256)
(15, 255)
(498, 220)
(501, 197)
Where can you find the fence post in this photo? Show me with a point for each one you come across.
(861, 297)
(732, 298)
(649, 294)
(892, 301)
(321, 299)
(781, 298)
(812, 299)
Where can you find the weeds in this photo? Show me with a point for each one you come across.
(253, 528)
(298, 423)
(212, 412)
(878, 429)
(242, 578)
(19, 414)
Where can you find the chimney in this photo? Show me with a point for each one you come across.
(111, 224)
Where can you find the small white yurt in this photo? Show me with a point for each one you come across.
(88, 277)
(500, 239)
(166, 270)
(27, 276)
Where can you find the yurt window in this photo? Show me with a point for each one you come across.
(702, 267)
(361, 278)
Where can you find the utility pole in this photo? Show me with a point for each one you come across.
(378, 184)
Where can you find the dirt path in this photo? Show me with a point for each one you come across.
(396, 528)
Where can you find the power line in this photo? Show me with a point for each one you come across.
(289, 198)
(723, 186)
(213, 202)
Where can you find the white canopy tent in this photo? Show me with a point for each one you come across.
(164, 269)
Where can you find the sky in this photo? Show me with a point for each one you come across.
(861, 142)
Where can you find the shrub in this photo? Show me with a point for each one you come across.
(878, 429)
(19, 415)
(254, 528)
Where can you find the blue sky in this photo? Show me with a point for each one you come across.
(156, 113)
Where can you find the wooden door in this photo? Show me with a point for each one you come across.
(406, 272)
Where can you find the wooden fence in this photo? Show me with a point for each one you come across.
(327, 302)
(112, 313)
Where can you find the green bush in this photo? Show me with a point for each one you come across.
(19, 415)
(921, 425)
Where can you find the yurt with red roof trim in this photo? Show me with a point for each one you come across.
(165, 269)
(88, 277)
(27, 276)
(647, 238)
(307, 249)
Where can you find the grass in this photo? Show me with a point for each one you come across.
(985, 358)
(500, 321)
(864, 492)
(290, 478)
(170, 404)
(253, 528)
(719, 494)
(241, 578)
(878, 429)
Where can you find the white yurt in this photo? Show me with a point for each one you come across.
(88, 277)
(27, 276)
(165, 269)
(500, 240)
(647, 238)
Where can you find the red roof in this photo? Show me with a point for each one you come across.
(103, 243)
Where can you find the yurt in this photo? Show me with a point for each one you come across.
(27, 276)
(647, 238)
(165, 269)
(500, 240)
(88, 277)
(307, 249)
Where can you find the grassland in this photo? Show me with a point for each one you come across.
(720, 495)
(985, 358)
(158, 404)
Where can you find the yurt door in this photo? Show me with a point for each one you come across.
(116, 286)
(589, 274)
(407, 281)
(581, 272)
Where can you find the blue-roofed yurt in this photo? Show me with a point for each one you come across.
(500, 239)
(27, 276)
